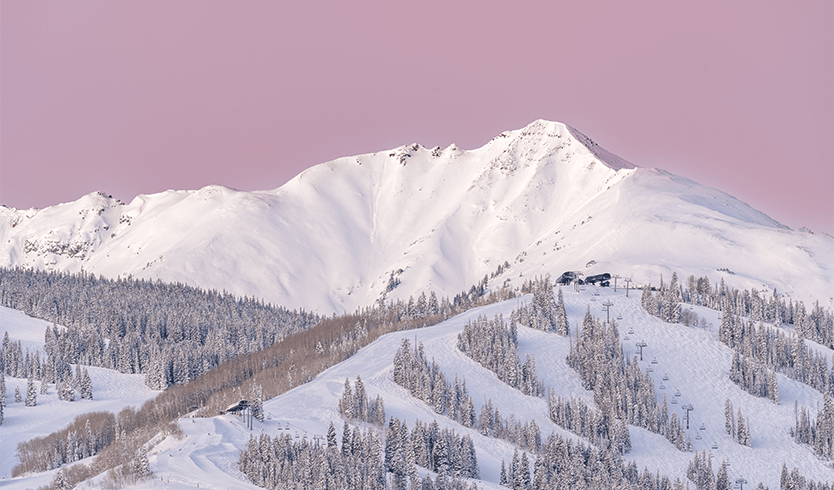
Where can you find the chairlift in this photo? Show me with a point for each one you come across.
(678, 393)
(703, 427)
(674, 401)
(665, 377)
(714, 445)
(698, 437)
(619, 317)
(596, 294)
(651, 369)
(654, 360)
(593, 299)
(626, 338)
(662, 387)
(631, 331)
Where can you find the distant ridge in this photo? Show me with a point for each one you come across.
(544, 199)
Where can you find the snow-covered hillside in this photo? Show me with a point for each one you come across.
(544, 198)
(112, 391)
(695, 363)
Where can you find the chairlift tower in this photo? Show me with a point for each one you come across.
(741, 482)
(616, 276)
(641, 344)
(608, 304)
(688, 407)
(628, 281)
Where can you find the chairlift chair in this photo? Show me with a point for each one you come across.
(662, 387)
(678, 393)
(631, 331)
(703, 427)
(715, 446)
(674, 401)
(665, 377)
(626, 338)
(698, 437)
(654, 360)
(619, 317)
(651, 369)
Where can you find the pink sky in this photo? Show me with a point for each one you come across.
(135, 97)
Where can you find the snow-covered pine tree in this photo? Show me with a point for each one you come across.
(347, 442)
(503, 479)
(17, 398)
(562, 327)
(258, 403)
(143, 467)
(722, 480)
(729, 420)
(742, 433)
(86, 386)
(331, 436)
(673, 300)
(523, 475)
(31, 393)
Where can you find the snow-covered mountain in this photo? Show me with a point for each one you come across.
(545, 199)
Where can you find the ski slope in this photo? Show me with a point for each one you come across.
(696, 363)
(112, 391)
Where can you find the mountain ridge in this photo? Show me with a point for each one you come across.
(331, 238)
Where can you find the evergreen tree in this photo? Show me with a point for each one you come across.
(743, 434)
(346, 440)
(17, 394)
(722, 480)
(258, 403)
(562, 327)
(503, 481)
(523, 475)
(86, 386)
(143, 467)
(331, 436)
(729, 422)
(31, 394)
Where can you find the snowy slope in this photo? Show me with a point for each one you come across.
(544, 198)
(112, 391)
(696, 364)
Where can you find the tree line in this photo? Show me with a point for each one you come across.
(428, 383)
(363, 461)
(494, 345)
(169, 332)
(818, 433)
